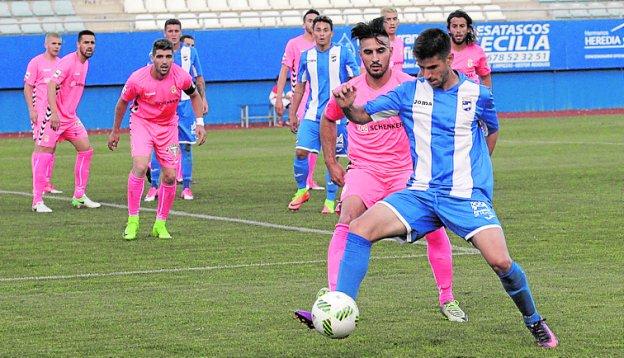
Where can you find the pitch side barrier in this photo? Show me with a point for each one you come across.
(537, 66)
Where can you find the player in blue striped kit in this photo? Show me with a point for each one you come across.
(187, 58)
(325, 67)
(452, 183)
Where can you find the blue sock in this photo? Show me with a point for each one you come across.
(155, 170)
(301, 171)
(330, 187)
(187, 165)
(515, 283)
(354, 265)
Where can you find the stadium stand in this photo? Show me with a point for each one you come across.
(126, 15)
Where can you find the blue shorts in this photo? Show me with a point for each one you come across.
(309, 137)
(425, 211)
(186, 123)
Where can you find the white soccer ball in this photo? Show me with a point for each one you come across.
(335, 315)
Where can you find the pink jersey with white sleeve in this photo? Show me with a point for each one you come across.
(292, 58)
(397, 58)
(381, 146)
(38, 74)
(70, 76)
(472, 62)
(156, 100)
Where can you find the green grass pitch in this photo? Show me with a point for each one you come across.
(70, 286)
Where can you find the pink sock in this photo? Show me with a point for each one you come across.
(40, 163)
(312, 157)
(49, 170)
(81, 172)
(335, 251)
(441, 261)
(135, 192)
(166, 196)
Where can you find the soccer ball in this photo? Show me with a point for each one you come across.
(335, 315)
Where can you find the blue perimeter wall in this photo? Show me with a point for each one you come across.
(537, 66)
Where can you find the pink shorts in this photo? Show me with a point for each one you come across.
(372, 187)
(70, 131)
(146, 136)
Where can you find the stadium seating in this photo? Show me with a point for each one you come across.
(51, 15)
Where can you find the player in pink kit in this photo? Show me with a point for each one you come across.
(290, 61)
(62, 123)
(380, 164)
(468, 57)
(391, 25)
(38, 74)
(155, 91)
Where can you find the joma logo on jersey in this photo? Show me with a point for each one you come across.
(333, 58)
(466, 105)
(422, 102)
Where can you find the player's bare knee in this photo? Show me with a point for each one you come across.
(168, 178)
(301, 154)
(139, 169)
(501, 264)
(361, 228)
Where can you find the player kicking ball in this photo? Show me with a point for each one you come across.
(452, 183)
(155, 90)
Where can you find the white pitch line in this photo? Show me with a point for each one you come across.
(231, 220)
(191, 269)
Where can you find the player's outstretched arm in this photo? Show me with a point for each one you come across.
(345, 96)
(120, 110)
(328, 143)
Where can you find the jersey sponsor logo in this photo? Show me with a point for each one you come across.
(421, 102)
(385, 126)
(480, 208)
(149, 94)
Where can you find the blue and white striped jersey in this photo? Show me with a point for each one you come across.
(325, 71)
(447, 145)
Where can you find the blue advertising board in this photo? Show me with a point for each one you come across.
(254, 54)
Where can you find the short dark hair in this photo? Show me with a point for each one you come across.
(85, 32)
(311, 11)
(325, 19)
(161, 44)
(173, 22)
(369, 30)
(431, 43)
(471, 37)
(184, 37)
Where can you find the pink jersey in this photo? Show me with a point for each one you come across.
(38, 74)
(397, 58)
(472, 62)
(292, 55)
(291, 58)
(70, 76)
(381, 146)
(156, 100)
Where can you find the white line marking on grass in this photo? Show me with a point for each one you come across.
(192, 269)
(231, 220)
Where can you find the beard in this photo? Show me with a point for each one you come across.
(462, 41)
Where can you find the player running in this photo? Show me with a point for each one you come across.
(187, 58)
(380, 164)
(325, 67)
(155, 90)
(452, 183)
(61, 122)
(38, 74)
